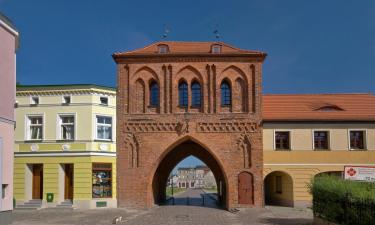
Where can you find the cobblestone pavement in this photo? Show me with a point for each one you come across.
(179, 214)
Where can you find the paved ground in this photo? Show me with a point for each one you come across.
(178, 214)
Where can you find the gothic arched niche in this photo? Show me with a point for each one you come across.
(140, 96)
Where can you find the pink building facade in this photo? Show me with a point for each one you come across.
(8, 47)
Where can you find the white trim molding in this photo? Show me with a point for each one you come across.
(364, 139)
(63, 154)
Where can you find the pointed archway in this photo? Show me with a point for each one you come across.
(176, 154)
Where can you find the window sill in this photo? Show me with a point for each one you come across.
(283, 150)
(322, 150)
(225, 106)
(359, 150)
(152, 107)
(65, 140)
(103, 140)
(33, 141)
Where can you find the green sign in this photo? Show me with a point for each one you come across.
(101, 204)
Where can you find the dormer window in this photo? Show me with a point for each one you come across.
(328, 108)
(35, 100)
(216, 49)
(163, 49)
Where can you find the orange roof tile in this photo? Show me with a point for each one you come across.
(319, 107)
(184, 47)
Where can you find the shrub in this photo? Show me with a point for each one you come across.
(343, 201)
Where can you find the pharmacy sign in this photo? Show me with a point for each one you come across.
(360, 173)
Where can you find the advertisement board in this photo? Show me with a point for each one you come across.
(360, 173)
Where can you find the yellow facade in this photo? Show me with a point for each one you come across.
(301, 163)
(53, 150)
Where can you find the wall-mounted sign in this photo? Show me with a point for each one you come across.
(360, 173)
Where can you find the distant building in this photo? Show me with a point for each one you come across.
(8, 46)
(195, 177)
(65, 146)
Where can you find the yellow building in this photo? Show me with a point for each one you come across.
(65, 147)
(308, 135)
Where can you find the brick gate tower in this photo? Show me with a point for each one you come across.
(177, 99)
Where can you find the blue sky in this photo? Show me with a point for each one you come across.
(313, 46)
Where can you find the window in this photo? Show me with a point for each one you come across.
(216, 49)
(154, 94)
(279, 185)
(102, 180)
(104, 127)
(321, 139)
(225, 94)
(183, 94)
(67, 127)
(35, 100)
(282, 141)
(357, 141)
(35, 128)
(196, 94)
(163, 49)
(66, 100)
(103, 100)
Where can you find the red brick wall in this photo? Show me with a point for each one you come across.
(151, 141)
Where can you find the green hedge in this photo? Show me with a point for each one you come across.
(343, 201)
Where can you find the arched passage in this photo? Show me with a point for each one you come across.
(278, 189)
(174, 156)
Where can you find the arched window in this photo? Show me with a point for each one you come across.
(154, 94)
(225, 94)
(196, 94)
(183, 94)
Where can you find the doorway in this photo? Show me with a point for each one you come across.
(68, 182)
(37, 192)
(245, 188)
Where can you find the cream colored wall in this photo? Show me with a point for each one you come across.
(302, 163)
(302, 135)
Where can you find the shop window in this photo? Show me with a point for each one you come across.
(357, 139)
(35, 128)
(102, 180)
(282, 140)
(67, 127)
(104, 127)
(321, 140)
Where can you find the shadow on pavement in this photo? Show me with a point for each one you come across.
(286, 221)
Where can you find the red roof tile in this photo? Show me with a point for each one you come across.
(182, 47)
(319, 107)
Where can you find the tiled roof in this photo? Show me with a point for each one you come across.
(319, 107)
(183, 47)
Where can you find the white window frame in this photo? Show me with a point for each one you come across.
(27, 126)
(96, 127)
(217, 47)
(364, 141)
(63, 99)
(32, 100)
(290, 140)
(163, 47)
(329, 139)
(59, 130)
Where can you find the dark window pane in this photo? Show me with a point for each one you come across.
(321, 139)
(196, 94)
(154, 94)
(225, 94)
(183, 94)
(282, 140)
(357, 139)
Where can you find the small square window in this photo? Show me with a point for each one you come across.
(282, 140)
(35, 100)
(103, 100)
(216, 49)
(357, 139)
(66, 99)
(163, 49)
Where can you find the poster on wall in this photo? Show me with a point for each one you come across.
(360, 173)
